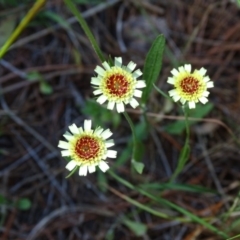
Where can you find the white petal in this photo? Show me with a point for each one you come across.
(118, 61)
(95, 80)
(111, 105)
(102, 99)
(191, 105)
(176, 98)
(202, 71)
(73, 128)
(63, 145)
(131, 66)
(205, 94)
(174, 72)
(203, 100)
(71, 165)
(83, 170)
(80, 130)
(181, 69)
(87, 125)
(137, 73)
(65, 153)
(134, 103)
(100, 71)
(188, 67)
(171, 80)
(109, 143)
(106, 134)
(120, 107)
(140, 84)
(210, 84)
(98, 131)
(182, 101)
(172, 92)
(106, 65)
(206, 79)
(103, 166)
(137, 93)
(68, 135)
(97, 92)
(91, 169)
(111, 153)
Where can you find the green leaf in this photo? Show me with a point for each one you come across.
(57, 18)
(23, 204)
(165, 202)
(72, 7)
(138, 166)
(235, 237)
(139, 229)
(177, 186)
(34, 76)
(45, 88)
(199, 112)
(153, 65)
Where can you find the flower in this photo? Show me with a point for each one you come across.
(189, 87)
(87, 148)
(118, 84)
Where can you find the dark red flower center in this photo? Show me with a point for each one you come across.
(87, 148)
(117, 85)
(190, 85)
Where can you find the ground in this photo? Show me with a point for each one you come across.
(45, 86)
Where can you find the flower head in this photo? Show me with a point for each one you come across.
(189, 87)
(87, 148)
(118, 84)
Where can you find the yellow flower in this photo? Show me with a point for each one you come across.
(118, 84)
(189, 87)
(87, 148)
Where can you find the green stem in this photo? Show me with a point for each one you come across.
(32, 12)
(161, 92)
(237, 236)
(184, 155)
(86, 29)
(169, 204)
(133, 133)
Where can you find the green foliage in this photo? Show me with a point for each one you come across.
(141, 133)
(166, 203)
(138, 166)
(44, 86)
(21, 204)
(199, 112)
(56, 18)
(139, 229)
(153, 66)
(176, 186)
(100, 114)
(85, 28)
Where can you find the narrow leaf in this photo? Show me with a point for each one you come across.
(138, 166)
(153, 65)
(138, 228)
